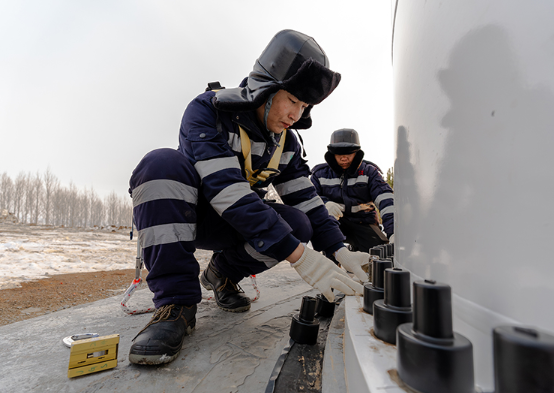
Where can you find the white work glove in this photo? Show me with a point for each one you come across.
(335, 209)
(322, 274)
(353, 262)
(391, 239)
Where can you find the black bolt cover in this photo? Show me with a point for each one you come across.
(395, 309)
(523, 360)
(378, 272)
(390, 249)
(375, 290)
(433, 309)
(431, 358)
(397, 288)
(324, 308)
(304, 327)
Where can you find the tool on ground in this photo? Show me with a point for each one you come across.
(67, 341)
(92, 355)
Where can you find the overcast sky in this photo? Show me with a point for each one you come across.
(88, 87)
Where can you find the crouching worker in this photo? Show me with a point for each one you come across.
(209, 195)
(351, 188)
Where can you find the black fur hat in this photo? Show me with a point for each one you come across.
(292, 61)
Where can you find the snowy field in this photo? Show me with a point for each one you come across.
(34, 252)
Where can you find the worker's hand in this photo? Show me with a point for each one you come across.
(335, 209)
(322, 274)
(391, 238)
(353, 261)
(366, 207)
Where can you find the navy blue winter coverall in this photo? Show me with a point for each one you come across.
(198, 197)
(354, 189)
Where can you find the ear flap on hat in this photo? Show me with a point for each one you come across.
(242, 99)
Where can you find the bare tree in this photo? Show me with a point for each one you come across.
(390, 177)
(60, 211)
(19, 194)
(97, 210)
(111, 202)
(29, 198)
(50, 184)
(125, 211)
(38, 190)
(6, 192)
(73, 205)
(41, 199)
(55, 201)
(85, 208)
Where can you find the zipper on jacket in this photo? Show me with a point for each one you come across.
(343, 194)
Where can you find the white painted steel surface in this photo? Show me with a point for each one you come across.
(474, 189)
(370, 363)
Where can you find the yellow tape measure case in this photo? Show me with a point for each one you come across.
(93, 355)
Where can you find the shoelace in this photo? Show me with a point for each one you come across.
(161, 314)
(236, 287)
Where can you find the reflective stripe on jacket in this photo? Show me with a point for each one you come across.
(217, 157)
(362, 187)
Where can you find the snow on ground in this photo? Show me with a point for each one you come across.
(33, 252)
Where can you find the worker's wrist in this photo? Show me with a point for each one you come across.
(331, 250)
(297, 254)
(285, 247)
(337, 254)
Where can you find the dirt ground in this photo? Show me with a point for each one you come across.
(26, 250)
(54, 292)
(61, 291)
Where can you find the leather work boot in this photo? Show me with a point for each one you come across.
(162, 338)
(228, 295)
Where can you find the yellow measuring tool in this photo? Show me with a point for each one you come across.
(93, 355)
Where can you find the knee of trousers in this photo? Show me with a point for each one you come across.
(301, 226)
(167, 164)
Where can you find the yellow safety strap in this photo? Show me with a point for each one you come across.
(273, 163)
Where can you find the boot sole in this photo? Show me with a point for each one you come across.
(208, 286)
(153, 360)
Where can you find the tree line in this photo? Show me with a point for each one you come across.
(41, 199)
(390, 177)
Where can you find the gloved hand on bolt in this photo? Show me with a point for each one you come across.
(353, 261)
(335, 209)
(322, 274)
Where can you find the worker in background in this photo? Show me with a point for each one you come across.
(351, 188)
(208, 194)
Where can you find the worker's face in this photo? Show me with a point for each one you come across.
(345, 160)
(285, 110)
